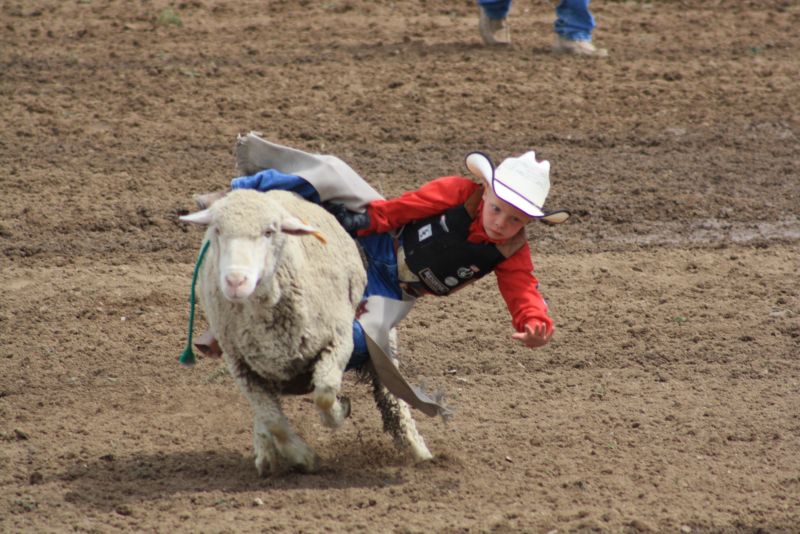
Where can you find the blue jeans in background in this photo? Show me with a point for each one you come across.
(574, 21)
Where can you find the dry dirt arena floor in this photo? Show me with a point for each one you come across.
(669, 398)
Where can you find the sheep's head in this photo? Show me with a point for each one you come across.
(249, 231)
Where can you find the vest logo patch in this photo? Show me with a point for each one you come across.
(466, 273)
(430, 280)
(424, 232)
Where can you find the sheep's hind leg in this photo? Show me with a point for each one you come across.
(333, 410)
(396, 415)
(398, 422)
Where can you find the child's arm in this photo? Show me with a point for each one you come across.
(432, 198)
(518, 285)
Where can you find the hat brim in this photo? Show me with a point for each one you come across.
(509, 196)
(555, 217)
(480, 165)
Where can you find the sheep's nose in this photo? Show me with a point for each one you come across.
(235, 280)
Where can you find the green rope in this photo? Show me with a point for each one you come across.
(187, 357)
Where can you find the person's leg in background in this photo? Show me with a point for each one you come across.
(574, 25)
(493, 23)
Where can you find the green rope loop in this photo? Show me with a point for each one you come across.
(187, 356)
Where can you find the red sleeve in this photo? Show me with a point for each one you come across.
(519, 288)
(432, 198)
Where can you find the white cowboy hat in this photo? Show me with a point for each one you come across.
(522, 182)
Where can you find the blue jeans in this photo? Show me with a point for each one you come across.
(271, 179)
(382, 278)
(574, 21)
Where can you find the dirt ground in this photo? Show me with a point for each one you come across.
(669, 398)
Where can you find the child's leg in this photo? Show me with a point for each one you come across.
(266, 180)
(382, 277)
(382, 280)
(270, 179)
(360, 354)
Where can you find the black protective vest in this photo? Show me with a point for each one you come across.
(437, 251)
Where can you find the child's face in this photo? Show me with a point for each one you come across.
(501, 220)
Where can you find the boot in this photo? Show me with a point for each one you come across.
(494, 31)
(578, 48)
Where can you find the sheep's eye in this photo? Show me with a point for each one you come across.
(269, 232)
(216, 230)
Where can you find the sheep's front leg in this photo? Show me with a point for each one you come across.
(273, 437)
(267, 459)
(328, 381)
(273, 433)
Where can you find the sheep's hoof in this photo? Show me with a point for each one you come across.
(308, 466)
(265, 466)
(332, 409)
(420, 452)
(301, 458)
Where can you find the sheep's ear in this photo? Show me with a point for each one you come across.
(294, 226)
(198, 217)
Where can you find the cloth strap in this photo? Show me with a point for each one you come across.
(381, 315)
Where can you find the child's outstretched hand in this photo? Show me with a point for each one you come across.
(537, 336)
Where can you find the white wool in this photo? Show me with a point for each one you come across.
(307, 305)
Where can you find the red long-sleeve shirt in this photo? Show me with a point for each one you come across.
(515, 277)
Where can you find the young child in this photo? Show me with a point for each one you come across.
(443, 236)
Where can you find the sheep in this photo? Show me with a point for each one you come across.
(282, 307)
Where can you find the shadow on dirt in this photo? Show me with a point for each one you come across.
(110, 482)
